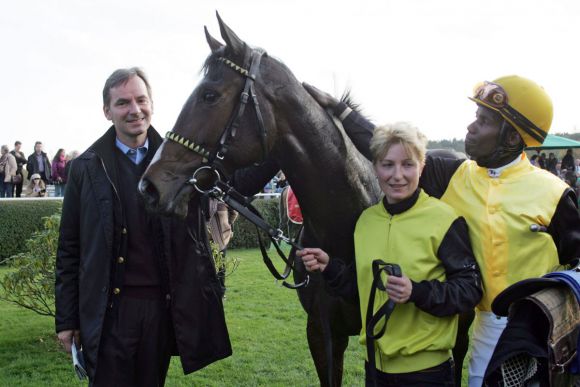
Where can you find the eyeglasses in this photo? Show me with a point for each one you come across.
(494, 96)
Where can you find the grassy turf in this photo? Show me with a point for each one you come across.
(265, 321)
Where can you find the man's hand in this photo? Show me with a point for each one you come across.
(314, 259)
(65, 338)
(324, 99)
(399, 289)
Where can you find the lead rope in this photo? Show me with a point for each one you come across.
(385, 311)
(228, 195)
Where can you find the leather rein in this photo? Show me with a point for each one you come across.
(224, 192)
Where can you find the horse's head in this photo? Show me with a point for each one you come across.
(220, 128)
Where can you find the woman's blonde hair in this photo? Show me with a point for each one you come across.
(385, 136)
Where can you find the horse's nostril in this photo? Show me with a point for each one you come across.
(149, 192)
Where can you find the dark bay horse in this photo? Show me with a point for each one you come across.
(333, 182)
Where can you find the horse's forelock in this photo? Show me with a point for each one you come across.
(210, 61)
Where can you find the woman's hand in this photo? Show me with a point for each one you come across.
(314, 259)
(399, 289)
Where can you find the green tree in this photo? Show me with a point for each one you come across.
(30, 282)
(454, 144)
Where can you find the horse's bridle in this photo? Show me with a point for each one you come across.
(222, 190)
(220, 150)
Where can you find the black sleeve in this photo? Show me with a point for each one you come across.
(437, 173)
(565, 228)
(358, 128)
(341, 280)
(461, 291)
(249, 181)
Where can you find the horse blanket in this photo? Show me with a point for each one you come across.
(293, 208)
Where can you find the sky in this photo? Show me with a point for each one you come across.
(410, 60)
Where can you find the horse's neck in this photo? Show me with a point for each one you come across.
(332, 181)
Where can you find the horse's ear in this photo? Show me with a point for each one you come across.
(234, 44)
(214, 45)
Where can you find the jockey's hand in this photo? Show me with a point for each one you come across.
(65, 338)
(324, 99)
(399, 289)
(314, 259)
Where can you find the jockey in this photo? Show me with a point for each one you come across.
(523, 221)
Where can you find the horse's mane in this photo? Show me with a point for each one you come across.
(348, 99)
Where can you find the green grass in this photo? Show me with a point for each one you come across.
(267, 327)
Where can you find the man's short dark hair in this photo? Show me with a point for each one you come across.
(38, 143)
(120, 77)
(17, 143)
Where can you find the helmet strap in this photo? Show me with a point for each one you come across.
(505, 151)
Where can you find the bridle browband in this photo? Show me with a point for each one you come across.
(222, 190)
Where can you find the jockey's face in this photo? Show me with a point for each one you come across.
(483, 133)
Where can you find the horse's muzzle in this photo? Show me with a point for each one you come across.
(149, 193)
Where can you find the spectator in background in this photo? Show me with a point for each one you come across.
(20, 161)
(568, 161)
(551, 164)
(7, 172)
(38, 162)
(35, 188)
(560, 172)
(534, 160)
(58, 174)
(542, 160)
(70, 157)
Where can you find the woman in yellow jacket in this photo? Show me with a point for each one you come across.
(430, 243)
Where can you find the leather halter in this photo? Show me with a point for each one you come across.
(231, 128)
(222, 190)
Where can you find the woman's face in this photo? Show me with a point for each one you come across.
(398, 173)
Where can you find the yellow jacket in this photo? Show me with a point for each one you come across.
(499, 212)
(414, 339)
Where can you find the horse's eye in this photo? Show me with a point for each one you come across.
(210, 97)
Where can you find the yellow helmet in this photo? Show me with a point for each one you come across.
(522, 102)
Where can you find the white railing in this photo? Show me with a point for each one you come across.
(269, 195)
